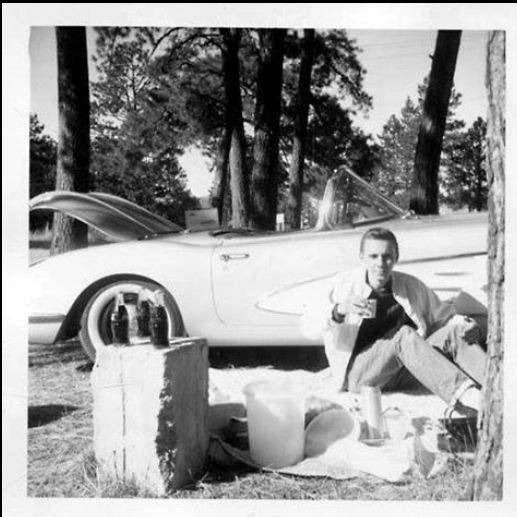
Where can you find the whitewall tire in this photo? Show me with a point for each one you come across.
(95, 332)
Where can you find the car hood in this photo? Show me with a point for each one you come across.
(113, 216)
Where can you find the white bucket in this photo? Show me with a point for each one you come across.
(276, 412)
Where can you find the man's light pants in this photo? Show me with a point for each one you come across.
(444, 362)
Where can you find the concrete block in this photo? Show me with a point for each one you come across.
(150, 413)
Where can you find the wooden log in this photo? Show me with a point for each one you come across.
(151, 414)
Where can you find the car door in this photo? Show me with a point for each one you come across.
(265, 279)
(247, 271)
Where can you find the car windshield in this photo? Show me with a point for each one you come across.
(348, 201)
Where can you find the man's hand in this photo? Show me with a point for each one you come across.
(469, 329)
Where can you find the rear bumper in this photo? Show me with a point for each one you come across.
(44, 328)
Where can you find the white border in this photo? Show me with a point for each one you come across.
(16, 23)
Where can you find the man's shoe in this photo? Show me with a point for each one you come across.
(460, 410)
(460, 429)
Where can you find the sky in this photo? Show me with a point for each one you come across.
(396, 61)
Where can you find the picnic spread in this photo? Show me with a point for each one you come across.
(334, 438)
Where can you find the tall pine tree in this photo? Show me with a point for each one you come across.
(73, 149)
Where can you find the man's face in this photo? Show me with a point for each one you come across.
(379, 258)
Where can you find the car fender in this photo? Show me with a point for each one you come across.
(59, 282)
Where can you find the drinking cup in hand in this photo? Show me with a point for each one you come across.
(370, 310)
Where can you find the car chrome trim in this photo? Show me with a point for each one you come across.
(260, 303)
(46, 318)
(443, 257)
(234, 256)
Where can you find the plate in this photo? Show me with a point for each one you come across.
(329, 427)
(375, 442)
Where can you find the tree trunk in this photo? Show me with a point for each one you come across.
(487, 480)
(294, 202)
(221, 197)
(267, 119)
(239, 177)
(73, 149)
(479, 184)
(424, 190)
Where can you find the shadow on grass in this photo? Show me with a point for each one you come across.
(85, 367)
(216, 475)
(42, 415)
(310, 358)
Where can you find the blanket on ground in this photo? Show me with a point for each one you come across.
(416, 455)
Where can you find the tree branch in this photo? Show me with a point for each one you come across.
(166, 34)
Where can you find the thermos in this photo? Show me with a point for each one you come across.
(120, 322)
(159, 322)
(372, 411)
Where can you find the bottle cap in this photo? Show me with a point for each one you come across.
(159, 298)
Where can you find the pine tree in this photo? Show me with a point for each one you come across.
(487, 479)
(424, 189)
(73, 150)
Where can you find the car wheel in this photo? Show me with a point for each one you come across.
(95, 332)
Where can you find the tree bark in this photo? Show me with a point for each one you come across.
(424, 190)
(487, 480)
(239, 176)
(294, 202)
(267, 120)
(73, 149)
(479, 182)
(221, 197)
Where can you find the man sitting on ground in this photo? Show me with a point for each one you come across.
(413, 339)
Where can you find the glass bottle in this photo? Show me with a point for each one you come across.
(143, 315)
(120, 321)
(159, 322)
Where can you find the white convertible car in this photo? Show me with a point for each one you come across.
(241, 287)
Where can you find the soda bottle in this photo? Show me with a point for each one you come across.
(120, 322)
(159, 322)
(143, 315)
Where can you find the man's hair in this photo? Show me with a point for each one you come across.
(380, 234)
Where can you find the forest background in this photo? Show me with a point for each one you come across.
(158, 93)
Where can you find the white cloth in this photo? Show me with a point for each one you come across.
(419, 302)
(343, 460)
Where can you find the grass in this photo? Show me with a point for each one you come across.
(247, 484)
(60, 422)
(61, 461)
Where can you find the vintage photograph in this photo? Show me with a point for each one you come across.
(265, 262)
